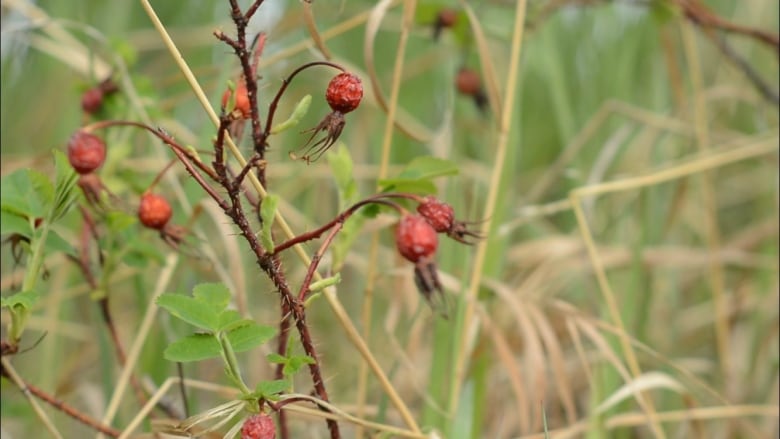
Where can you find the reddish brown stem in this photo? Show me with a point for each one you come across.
(68, 410)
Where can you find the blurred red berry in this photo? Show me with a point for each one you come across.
(154, 211)
(92, 100)
(344, 92)
(258, 427)
(468, 83)
(241, 109)
(86, 152)
(415, 238)
(446, 18)
(438, 214)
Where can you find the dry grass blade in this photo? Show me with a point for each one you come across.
(311, 25)
(406, 125)
(647, 381)
(556, 360)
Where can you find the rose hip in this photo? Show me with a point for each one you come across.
(86, 152)
(438, 214)
(415, 238)
(258, 427)
(344, 92)
(154, 211)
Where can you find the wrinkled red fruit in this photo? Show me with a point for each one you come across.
(92, 100)
(468, 82)
(154, 211)
(86, 152)
(438, 214)
(344, 92)
(415, 238)
(258, 427)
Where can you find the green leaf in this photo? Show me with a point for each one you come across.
(249, 336)
(192, 311)
(267, 213)
(267, 389)
(55, 243)
(230, 319)
(295, 363)
(43, 187)
(408, 185)
(118, 221)
(11, 223)
(24, 299)
(18, 196)
(301, 108)
(416, 176)
(216, 295)
(276, 358)
(193, 348)
(64, 185)
(139, 252)
(324, 283)
(427, 167)
(341, 166)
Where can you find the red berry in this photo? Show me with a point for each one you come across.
(344, 92)
(241, 108)
(258, 427)
(468, 82)
(91, 100)
(86, 152)
(447, 17)
(415, 238)
(438, 214)
(154, 211)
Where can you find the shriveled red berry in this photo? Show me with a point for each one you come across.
(241, 108)
(258, 427)
(86, 152)
(92, 100)
(468, 82)
(415, 238)
(154, 211)
(439, 214)
(447, 17)
(344, 92)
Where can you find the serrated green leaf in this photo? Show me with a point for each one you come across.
(427, 167)
(415, 186)
(55, 243)
(43, 187)
(295, 363)
(194, 347)
(267, 213)
(276, 358)
(18, 196)
(11, 223)
(118, 221)
(192, 311)
(139, 252)
(215, 294)
(64, 187)
(230, 319)
(24, 299)
(266, 389)
(249, 336)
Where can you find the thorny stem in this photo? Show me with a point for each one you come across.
(340, 218)
(65, 408)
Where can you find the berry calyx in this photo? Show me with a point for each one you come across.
(344, 92)
(86, 152)
(439, 214)
(154, 211)
(415, 238)
(258, 427)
